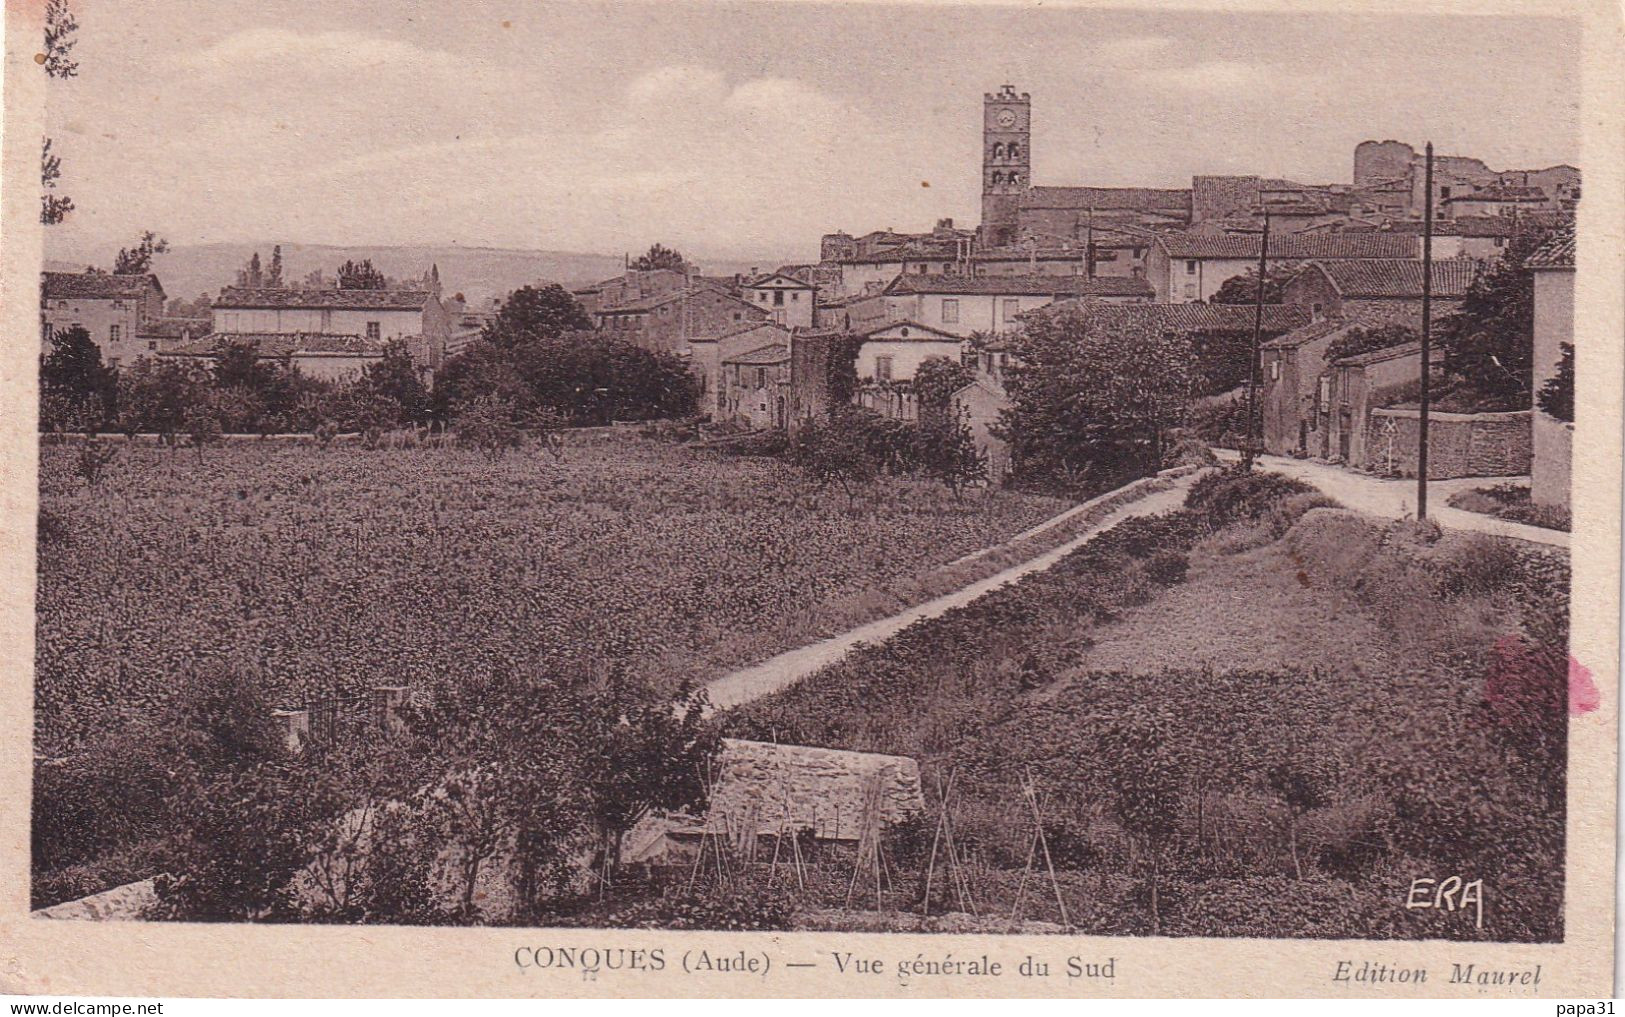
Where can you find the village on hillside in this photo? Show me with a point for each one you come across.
(1134, 561)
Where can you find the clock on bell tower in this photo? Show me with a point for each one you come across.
(1006, 162)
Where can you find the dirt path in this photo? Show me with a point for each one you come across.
(789, 667)
(1396, 498)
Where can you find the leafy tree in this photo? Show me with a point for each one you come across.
(643, 753)
(61, 27)
(1556, 397)
(487, 424)
(1243, 289)
(273, 275)
(1368, 339)
(74, 374)
(154, 396)
(660, 256)
(1489, 341)
(946, 451)
(835, 451)
(53, 208)
(935, 382)
(530, 314)
(361, 275)
(395, 377)
(1147, 775)
(251, 274)
(60, 30)
(1092, 398)
(137, 260)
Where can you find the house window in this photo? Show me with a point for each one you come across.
(950, 311)
(118, 305)
(761, 377)
(1444, 192)
(778, 298)
(738, 315)
(883, 369)
(1190, 268)
(1015, 150)
(1011, 309)
(152, 344)
(1275, 370)
(62, 305)
(112, 333)
(763, 295)
(795, 296)
(373, 330)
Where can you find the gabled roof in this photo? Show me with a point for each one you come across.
(1398, 278)
(1292, 246)
(96, 285)
(1056, 286)
(1139, 199)
(283, 344)
(650, 303)
(774, 353)
(1558, 252)
(912, 331)
(789, 281)
(335, 300)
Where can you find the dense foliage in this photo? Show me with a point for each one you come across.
(1489, 341)
(1191, 801)
(1556, 397)
(1092, 398)
(324, 571)
(1369, 339)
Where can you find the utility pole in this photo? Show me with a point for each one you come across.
(1427, 344)
(1249, 450)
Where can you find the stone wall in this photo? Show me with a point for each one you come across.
(1459, 444)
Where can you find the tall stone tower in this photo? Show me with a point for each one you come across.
(1007, 130)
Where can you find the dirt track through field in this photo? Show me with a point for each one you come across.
(787, 668)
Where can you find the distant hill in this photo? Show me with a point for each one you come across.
(476, 272)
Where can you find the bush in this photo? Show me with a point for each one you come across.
(719, 910)
(1235, 494)
(1167, 568)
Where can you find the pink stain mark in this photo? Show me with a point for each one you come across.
(1583, 694)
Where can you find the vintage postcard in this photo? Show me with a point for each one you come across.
(810, 498)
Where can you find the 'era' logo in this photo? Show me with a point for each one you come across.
(1449, 894)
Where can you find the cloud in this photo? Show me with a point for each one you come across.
(319, 52)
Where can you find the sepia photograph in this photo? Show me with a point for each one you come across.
(987, 470)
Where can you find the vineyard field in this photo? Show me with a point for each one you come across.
(324, 571)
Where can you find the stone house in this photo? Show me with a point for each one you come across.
(961, 305)
(764, 792)
(666, 323)
(788, 301)
(1553, 268)
(337, 319)
(755, 387)
(118, 312)
(1290, 367)
(1194, 265)
(324, 355)
(707, 353)
(630, 287)
(1346, 393)
(1377, 291)
(892, 352)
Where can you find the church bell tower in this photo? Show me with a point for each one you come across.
(1006, 162)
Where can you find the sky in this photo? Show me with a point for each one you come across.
(732, 130)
